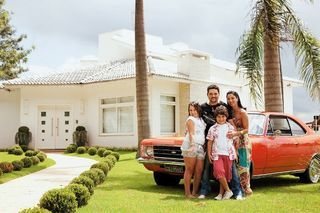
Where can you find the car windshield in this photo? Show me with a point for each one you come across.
(256, 123)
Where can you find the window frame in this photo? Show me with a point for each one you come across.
(168, 103)
(117, 105)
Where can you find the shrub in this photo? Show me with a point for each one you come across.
(80, 128)
(59, 200)
(27, 162)
(23, 136)
(15, 147)
(100, 151)
(106, 153)
(17, 152)
(29, 153)
(71, 148)
(92, 151)
(44, 154)
(100, 174)
(112, 158)
(35, 160)
(6, 167)
(17, 165)
(81, 150)
(35, 210)
(81, 192)
(92, 175)
(1, 172)
(103, 166)
(80, 136)
(85, 181)
(41, 156)
(24, 147)
(116, 154)
(109, 162)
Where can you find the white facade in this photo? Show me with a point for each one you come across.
(102, 99)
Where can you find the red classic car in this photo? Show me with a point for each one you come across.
(281, 144)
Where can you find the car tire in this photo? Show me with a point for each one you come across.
(312, 174)
(163, 179)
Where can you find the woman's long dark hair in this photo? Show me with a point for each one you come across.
(237, 96)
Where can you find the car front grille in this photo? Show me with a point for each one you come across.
(167, 153)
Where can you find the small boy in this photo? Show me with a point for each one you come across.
(221, 152)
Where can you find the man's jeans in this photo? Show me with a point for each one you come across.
(205, 188)
(235, 181)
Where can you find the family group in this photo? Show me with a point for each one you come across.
(217, 143)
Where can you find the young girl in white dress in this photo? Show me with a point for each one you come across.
(192, 149)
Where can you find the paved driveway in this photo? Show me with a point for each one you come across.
(25, 192)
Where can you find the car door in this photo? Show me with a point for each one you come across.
(304, 145)
(282, 147)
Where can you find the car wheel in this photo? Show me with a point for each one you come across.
(312, 174)
(163, 179)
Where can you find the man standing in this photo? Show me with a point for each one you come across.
(208, 108)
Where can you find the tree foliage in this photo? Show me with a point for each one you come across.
(273, 21)
(12, 54)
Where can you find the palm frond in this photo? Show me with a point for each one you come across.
(307, 52)
(273, 10)
(250, 50)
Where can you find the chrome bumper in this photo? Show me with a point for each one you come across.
(157, 162)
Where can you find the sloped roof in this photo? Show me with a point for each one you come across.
(122, 69)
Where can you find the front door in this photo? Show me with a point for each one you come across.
(54, 127)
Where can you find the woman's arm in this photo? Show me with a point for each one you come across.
(245, 122)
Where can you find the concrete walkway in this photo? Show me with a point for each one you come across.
(25, 192)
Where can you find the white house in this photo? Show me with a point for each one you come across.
(101, 97)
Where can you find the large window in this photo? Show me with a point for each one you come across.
(167, 114)
(117, 115)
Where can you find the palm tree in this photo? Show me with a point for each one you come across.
(271, 20)
(142, 96)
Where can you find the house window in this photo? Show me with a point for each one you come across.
(117, 115)
(167, 114)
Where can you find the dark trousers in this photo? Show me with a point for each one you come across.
(235, 181)
(205, 187)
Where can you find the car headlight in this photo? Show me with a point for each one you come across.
(149, 151)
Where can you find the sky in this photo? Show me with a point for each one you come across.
(64, 31)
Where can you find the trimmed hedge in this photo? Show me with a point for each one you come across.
(85, 181)
(92, 175)
(116, 155)
(81, 192)
(59, 200)
(6, 167)
(35, 160)
(17, 165)
(81, 150)
(106, 153)
(92, 151)
(71, 148)
(103, 166)
(27, 162)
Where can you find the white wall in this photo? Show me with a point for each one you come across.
(96, 92)
(161, 87)
(109, 50)
(9, 117)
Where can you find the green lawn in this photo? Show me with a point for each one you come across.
(130, 188)
(4, 156)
